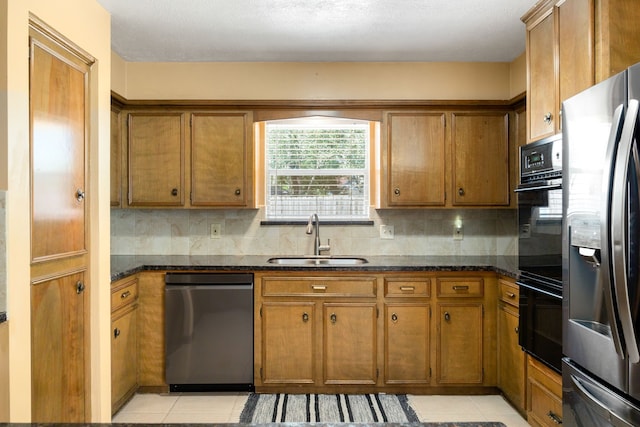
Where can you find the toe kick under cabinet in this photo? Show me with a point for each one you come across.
(420, 332)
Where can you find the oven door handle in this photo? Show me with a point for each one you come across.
(545, 187)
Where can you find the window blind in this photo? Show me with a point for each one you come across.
(317, 168)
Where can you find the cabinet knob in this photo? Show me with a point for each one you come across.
(396, 191)
(333, 318)
(116, 333)
(447, 316)
(461, 191)
(79, 195)
(305, 317)
(125, 294)
(238, 192)
(174, 192)
(517, 330)
(394, 317)
(79, 287)
(547, 118)
(511, 295)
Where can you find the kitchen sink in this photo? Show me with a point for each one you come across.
(317, 260)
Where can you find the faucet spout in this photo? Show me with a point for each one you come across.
(313, 226)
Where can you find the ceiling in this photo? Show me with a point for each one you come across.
(317, 30)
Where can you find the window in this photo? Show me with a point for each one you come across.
(317, 165)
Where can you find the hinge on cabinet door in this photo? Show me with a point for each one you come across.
(429, 372)
(261, 377)
(377, 312)
(260, 311)
(377, 373)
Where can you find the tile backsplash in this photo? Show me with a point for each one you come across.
(416, 232)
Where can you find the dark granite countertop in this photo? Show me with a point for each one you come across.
(126, 265)
(3, 316)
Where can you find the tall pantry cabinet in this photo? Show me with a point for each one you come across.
(59, 111)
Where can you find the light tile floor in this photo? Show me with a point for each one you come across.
(226, 408)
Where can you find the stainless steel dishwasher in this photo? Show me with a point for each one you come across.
(209, 331)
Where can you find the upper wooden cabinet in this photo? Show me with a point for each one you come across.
(480, 144)
(156, 159)
(220, 159)
(572, 44)
(445, 159)
(220, 156)
(416, 159)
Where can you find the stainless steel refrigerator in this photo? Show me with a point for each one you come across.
(601, 238)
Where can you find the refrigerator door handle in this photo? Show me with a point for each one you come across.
(619, 219)
(604, 277)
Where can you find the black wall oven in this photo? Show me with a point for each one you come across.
(540, 250)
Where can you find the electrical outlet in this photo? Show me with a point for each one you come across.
(457, 232)
(386, 231)
(216, 231)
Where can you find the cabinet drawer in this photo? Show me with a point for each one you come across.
(319, 286)
(545, 395)
(469, 287)
(407, 287)
(123, 294)
(509, 293)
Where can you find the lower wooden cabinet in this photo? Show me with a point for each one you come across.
(511, 358)
(288, 342)
(407, 343)
(459, 345)
(124, 342)
(544, 394)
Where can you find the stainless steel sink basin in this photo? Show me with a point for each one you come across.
(317, 260)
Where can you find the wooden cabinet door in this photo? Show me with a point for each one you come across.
(58, 346)
(575, 47)
(406, 346)
(480, 143)
(116, 159)
(459, 343)
(416, 159)
(288, 342)
(124, 370)
(511, 358)
(156, 159)
(221, 164)
(541, 83)
(58, 95)
(349, 343)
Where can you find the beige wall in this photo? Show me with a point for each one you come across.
(4, 372)
(87, 24)
(316, 80)
(518, 76)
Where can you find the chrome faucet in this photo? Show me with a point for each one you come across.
(317, 247)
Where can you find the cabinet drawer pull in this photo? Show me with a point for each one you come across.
(556, 419)
(305, 317)
(511, 295)
(407, 288)
(461, 288)
(447, 316)
(333, 318)
(116, 333)
(394, 318)
(319, 287)
(125, 294)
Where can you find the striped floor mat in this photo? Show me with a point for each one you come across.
(327, 408)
